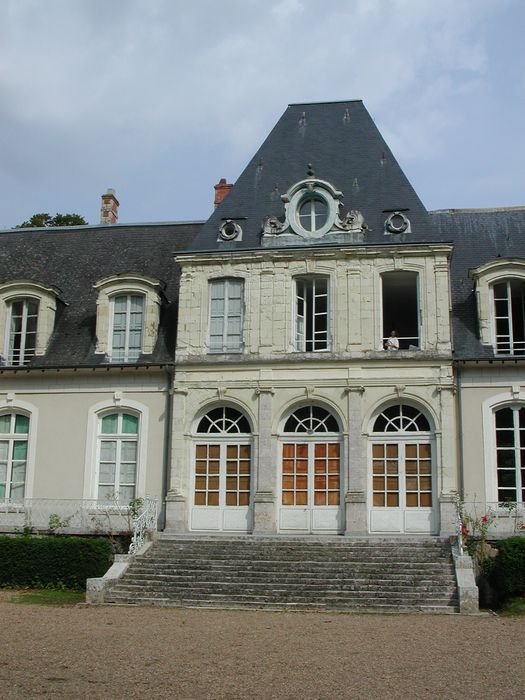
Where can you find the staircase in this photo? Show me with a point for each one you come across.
(299, 574)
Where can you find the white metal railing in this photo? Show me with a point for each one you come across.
(459, 533)
(72, 516)
(144, 524)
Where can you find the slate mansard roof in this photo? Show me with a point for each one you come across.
(478, 237)
(73, 259)
(344, 147)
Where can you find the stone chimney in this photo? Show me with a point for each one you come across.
(221, 191)
(109, 208)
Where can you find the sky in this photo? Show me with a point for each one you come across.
(159, 99)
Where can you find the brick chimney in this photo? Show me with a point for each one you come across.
(221, 191)
(109, 208)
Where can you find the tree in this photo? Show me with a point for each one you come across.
(45, 220)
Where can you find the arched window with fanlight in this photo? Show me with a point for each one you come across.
(14, 438)
(223, 471)
(509, 424)
(402, 473)
(311, 471)
(117, 456)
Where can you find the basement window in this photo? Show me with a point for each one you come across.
(400, 310)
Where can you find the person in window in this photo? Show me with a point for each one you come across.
(392, 342)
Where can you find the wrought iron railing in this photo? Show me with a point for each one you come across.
(144, 524)
(82, 516)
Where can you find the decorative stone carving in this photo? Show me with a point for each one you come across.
(397, 222)
(230, 231)
(297, 223)
(353, 221)
(272, 226)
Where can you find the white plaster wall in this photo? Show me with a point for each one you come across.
(63, 402)
(481, 388)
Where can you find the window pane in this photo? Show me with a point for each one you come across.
(127, 473)
(109, 424)
(108, 450)
(5, 423)
(107, 473)
(18, 474)
(128, 451)
(130, 424)
(17, 493)
(21, 424)
(126, 494)
(20, 450)
(106, 493)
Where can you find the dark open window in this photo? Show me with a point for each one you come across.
(509, 317)
(400, 308)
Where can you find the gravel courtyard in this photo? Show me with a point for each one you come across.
(111, 652)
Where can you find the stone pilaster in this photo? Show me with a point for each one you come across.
(356, 476)
(264, 515)
(177, 496)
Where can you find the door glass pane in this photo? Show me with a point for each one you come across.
(295, 474)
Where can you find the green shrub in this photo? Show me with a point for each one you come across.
(508, 573)
(52, 561)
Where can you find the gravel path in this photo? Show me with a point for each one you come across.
(113, 653)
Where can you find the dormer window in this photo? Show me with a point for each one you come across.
(312, 213)
(509, 317)
(500, 295)
(128, 327)
(27, 315)
(22, 324)
(128, 311)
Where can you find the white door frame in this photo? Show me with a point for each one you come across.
(310, 518)
(221, 518)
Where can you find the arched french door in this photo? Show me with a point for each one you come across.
(402, 493)
(311, 458)
(222, 473)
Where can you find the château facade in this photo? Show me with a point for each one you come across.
(321, 356)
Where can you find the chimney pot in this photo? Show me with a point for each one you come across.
(222, 189)
(109, 207)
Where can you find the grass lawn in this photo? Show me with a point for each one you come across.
(513, 607)
(47, 596)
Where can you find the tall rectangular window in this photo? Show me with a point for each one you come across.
(14, 433)
(128, 312)
(510, 454)
(226, 315)
(117, 457)
(22, 325)
(509, 317)
(311, 314)
(400, 310)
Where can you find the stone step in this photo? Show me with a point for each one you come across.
(263, 605)
(363, 605)
(297, 567)
(291, 574)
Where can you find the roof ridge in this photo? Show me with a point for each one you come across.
(474, 210)
(328, 102)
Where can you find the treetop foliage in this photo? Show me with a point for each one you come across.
(44, 220)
